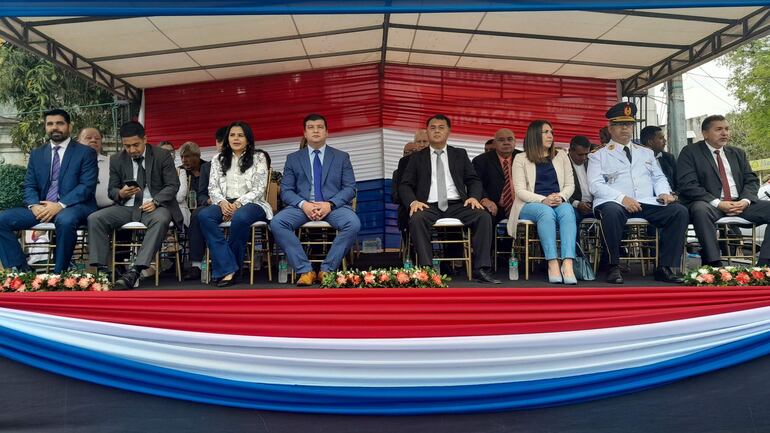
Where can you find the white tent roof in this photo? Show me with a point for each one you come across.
(638, 47)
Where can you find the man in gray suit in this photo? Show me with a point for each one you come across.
(143, 183)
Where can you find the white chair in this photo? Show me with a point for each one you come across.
(48, 248)
(133, 244)
(447, 230)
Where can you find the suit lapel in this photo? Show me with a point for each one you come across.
(128, 166)
(304, 162)
(709, 157)
(735, 167)
(327, 163)
(496, 164)
(66, 160)
(149, 160)
(45, 162)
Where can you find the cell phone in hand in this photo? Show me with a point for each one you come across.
(132, 183)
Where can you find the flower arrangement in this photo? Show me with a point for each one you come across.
(68, 281)
(394, 277)
(728, 276)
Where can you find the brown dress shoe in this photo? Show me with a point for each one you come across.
(306, 279)
(321, 276)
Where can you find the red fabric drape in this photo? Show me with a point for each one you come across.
(392, 313)
(356, 97)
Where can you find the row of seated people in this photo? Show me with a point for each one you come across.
(142, 183)
(618, 181)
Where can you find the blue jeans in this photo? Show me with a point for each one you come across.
(545, 217)
(227, 255)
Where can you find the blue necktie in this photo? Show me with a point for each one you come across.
(317, 175)
(53, 190)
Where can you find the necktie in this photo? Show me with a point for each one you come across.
(140, 179)
(627, 149)
(507, 198)
(723, 178)
(53, 190)
(443, 203)
(317, 175)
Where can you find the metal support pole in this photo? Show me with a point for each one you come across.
(676, 125)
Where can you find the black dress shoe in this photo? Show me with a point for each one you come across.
(128, 281)
(227, 283)
(485, 276)
(192, 274)
(665, 274)
(614, 276)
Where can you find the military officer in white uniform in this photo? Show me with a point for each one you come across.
(627, 182)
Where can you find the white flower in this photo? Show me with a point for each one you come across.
(693, 275)
(702, 271)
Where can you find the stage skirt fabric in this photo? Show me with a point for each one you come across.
(387, 351)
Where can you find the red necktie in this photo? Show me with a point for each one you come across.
(507, 198)
(723, 178)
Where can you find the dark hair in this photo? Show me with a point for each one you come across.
(313, 116)
(579, 141)
(132, 129)
(439, 117)
(165, 142)
(604, 135)
(709, 120)
(648, 133)
(220, 134)
(57, 112)
(533, 142)
(247, 157)
(490, 141)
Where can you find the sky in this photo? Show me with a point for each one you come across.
(705, 92)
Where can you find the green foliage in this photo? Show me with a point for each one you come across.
(750, 81)
(12, 180)
(33, 85)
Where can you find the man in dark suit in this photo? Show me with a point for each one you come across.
(440, 182)
(582, 199)
(198, 172)
(653, 138)
(143, 184)
(715, 180)
(420, 142)
(59, 187)
(318, 185)
(494, 170)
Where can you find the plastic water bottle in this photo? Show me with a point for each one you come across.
(283, 270)
(513, 268)
(204, 272)
(192, 200)
(408, 263)
(378, 242)
(437, 266)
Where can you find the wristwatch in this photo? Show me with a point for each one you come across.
(156, 203)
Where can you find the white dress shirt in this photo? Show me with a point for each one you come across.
(582, 175)
(451, 189)
(728, 173)
(146, 195)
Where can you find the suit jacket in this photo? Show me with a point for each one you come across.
(668, 166)
(416, 179)
(489, 170)
(578, 194)
(402, 163)
(202, 193)
(698, 174)
(77, 176)
(338, 181)
(524, 178)
(160, 174)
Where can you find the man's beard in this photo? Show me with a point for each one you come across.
(57, 137)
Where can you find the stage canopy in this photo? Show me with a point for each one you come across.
(126, 47)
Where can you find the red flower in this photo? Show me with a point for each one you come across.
(709, 278)
(16, 283)
(742, 278)
(384, 278)
(758, 275)
(341, 280)
(726, 276)
(421, 275)
(402, 277)
(437, 279)
(70, 283)
(355, 279)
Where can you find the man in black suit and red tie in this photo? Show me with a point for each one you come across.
(494, 170)
(440, 182)
(715, 181)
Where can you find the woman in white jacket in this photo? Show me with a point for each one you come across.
(543, 183)
(237, 190)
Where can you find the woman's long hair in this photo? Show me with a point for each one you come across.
(533, 143)
(247, 157)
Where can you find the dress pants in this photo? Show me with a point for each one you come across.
(479, 220)
(704, 217)
(227, 254)
(66, 223)
(102, 222)
(289, 219)
(671, 220)
(195, 236)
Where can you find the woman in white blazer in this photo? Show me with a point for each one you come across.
(237, 186)
(543, 183)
